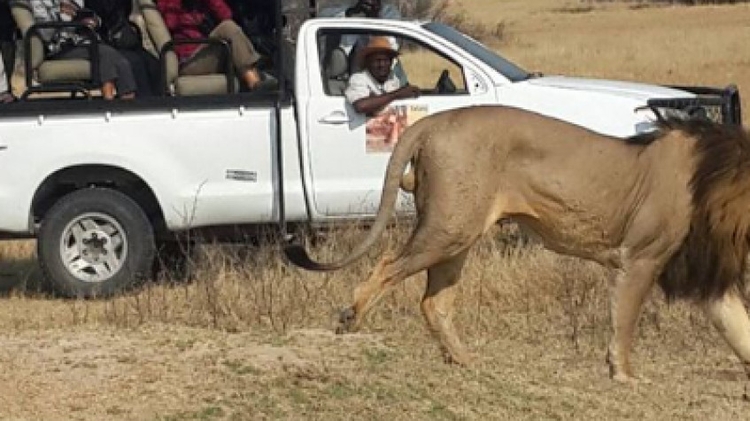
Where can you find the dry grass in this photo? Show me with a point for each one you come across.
(250, 337)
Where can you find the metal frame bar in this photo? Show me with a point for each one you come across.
(35, 31)
(170, 46)
(728, 99)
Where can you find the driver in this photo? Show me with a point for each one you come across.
(373, 9)
(373, 88)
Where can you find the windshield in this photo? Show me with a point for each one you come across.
(475, 48)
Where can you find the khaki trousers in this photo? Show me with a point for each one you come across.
(209, 58)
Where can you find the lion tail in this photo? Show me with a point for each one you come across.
(405, 149)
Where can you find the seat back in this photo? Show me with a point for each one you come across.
(336, 72)
(159, 35)
(24, 18)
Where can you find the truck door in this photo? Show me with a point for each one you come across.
(347, 152)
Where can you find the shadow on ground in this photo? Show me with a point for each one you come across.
(21, 276)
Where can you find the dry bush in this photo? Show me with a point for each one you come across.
(685, 2)
(447, 11)
(511, 288)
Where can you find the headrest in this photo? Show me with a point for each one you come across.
(338, 63)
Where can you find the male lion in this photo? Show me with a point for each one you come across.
(672, 207)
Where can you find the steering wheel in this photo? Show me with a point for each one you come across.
(444, 84)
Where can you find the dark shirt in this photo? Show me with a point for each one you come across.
(111, 12)
(7, 24)
(187, 19)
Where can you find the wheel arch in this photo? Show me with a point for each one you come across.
(73, 178)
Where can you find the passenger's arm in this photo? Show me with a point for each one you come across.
(220, 10)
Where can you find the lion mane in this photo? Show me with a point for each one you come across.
(712, 259)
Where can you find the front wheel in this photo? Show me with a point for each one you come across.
(95, 242)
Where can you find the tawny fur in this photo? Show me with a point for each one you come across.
(672, 207)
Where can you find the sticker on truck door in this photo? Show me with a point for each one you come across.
(385, 128)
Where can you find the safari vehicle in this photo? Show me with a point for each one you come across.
(103, 185)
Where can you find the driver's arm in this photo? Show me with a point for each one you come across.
(359, 95)
(373, 104)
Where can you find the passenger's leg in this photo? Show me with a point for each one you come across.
(146, 77)
(7, 43)
(153, 68)
(244, 55)
(114, 70)
(108, 90)
(7, 66)
(206, 60)
(118, 70)
(5, 95)
(3, 80)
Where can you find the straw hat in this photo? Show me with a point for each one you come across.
(378, 44)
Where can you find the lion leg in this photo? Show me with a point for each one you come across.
(437, 307)
(367, 293)
(427, 246)
(730, 318)
(388, 273)
(629, 290)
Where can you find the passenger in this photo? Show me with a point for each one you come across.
(352, 43)
(372, 89)
(5, 95)
(8, 50)
(257, 18)
(114, 70)
(373, 9)
(192, 19)
(118, 32)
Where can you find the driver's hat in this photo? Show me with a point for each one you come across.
(376, 44)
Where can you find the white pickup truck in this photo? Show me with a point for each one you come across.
(102, 184)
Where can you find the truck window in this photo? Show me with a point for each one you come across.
(432, 72)
(417, 64)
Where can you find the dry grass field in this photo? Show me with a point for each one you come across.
(251, 338)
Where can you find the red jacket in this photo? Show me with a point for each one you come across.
(186, 24)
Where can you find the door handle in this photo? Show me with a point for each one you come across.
(336, 117)
(3, 146)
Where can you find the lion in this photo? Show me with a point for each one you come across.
(670, 207)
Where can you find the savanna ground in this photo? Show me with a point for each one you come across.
(251, 338)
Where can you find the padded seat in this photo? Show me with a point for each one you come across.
(201, 84)
(72, 70)
(336, 72)
(173, 83)
(45, 74)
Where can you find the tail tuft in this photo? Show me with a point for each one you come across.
(297, 254)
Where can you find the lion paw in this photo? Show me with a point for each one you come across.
(630, 379)
(465, 359)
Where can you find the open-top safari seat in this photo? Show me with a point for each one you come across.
(173, 83)
(49, 74)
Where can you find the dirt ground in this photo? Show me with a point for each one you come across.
(253, 341)
(169, 372)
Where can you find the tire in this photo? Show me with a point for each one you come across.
(95, 242)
